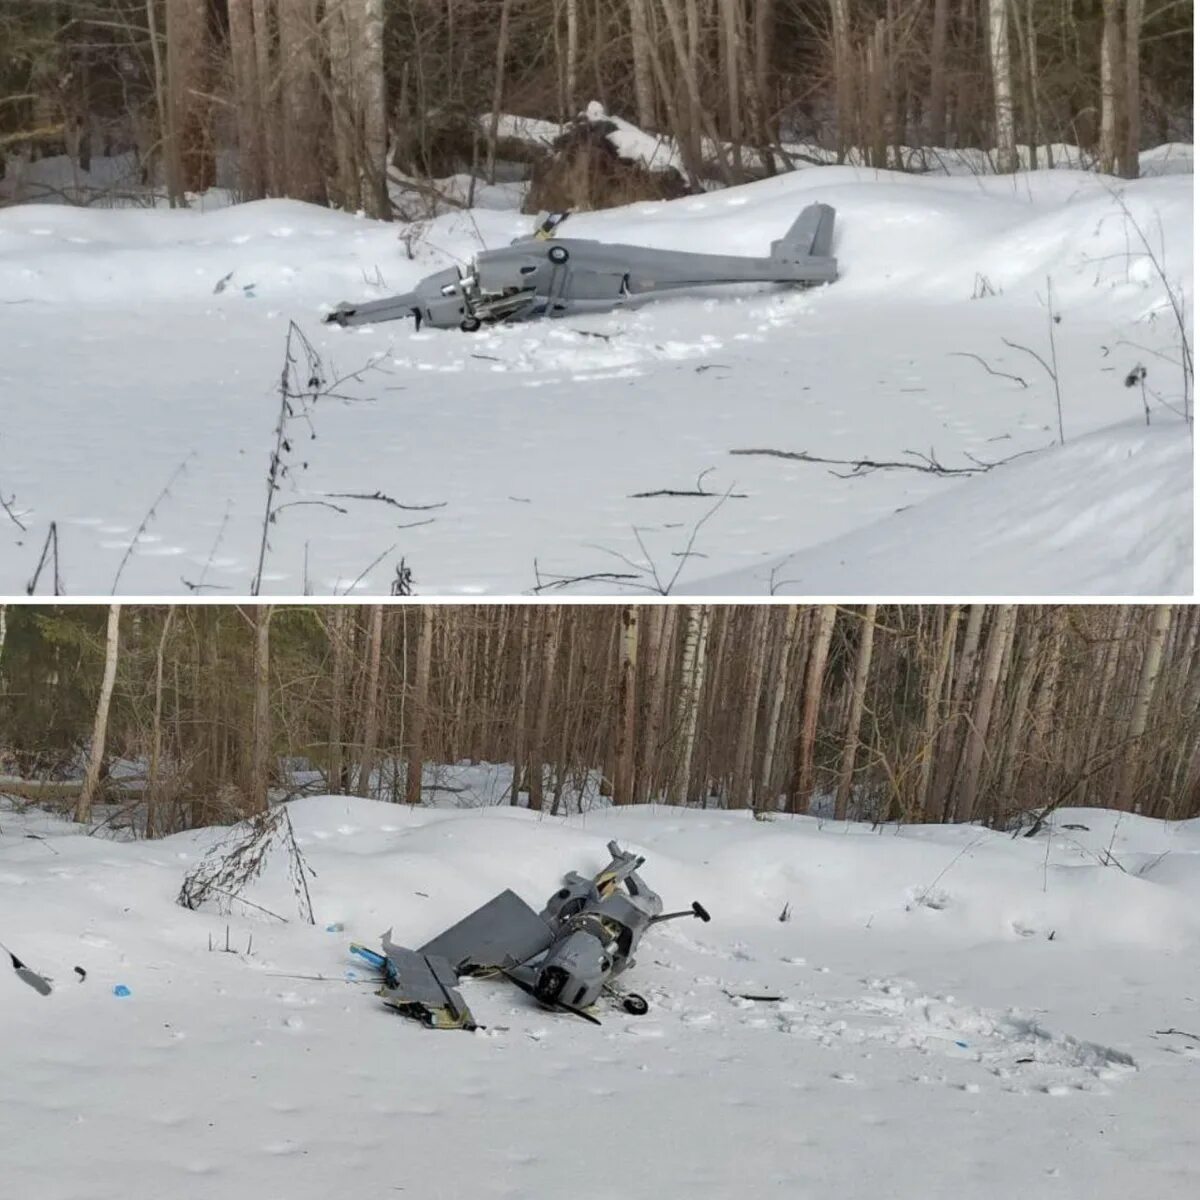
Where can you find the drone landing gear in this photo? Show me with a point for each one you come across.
(633, 1003)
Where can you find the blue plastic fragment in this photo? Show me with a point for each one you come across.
(376, 960)
(336, 927)
(121, 990)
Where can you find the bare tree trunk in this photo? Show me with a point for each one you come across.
(803, 770)
(944, 773)
(1110, 87)
(1134, 14)
(343, 37)
(656, 778)
(757, 642)
(650, 656)
(764, 40)
(787, 646)
(993, 662)
(691, 688)
(91, 779)
(1006, 132)
(498, 88)
(303, 132)
(247, 100)
(416, 746)
(190, 152)
(572, 83)
(937, 73)
(643, 68)
(843, 71)
(626, 707)
(269, 105)
(153, 778)
(933, 704)
(858, 694)
(551, 617)
(372, 86)
(370, 746)
(339, 616)
(260, 757)
(520, 738)
(1152, 660)
(730, 40)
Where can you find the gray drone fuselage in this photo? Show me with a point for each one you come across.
(552, 276)
(566, 956)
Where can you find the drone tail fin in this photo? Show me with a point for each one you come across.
(809, 243)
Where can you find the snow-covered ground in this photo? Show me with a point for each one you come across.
(134, 342)
(962, 1014)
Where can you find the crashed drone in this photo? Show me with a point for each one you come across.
(548, 276)
(566, 958)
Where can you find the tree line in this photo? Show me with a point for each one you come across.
(198, 714)
(318, 99)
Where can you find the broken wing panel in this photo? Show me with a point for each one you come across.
(504, 930)
(423, 986)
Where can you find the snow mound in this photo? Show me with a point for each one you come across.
(242, 1053)
(1111, 513)
(169, 327)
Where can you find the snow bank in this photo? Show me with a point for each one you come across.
(946, 993)
(1113, 507)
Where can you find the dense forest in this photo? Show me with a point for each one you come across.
(321, 99)
(196, 714)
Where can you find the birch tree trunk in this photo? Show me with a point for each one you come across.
(154, 775)
(572, 85)
(366, 765)
(1006, 133)
(655, 778)
(372, 82)
(626, 707)
(803, 771)
(858, 694)
(260, 758)
(91, 779)
(420, 709)
(691, 688)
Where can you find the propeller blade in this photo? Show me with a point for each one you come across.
(556, 1006)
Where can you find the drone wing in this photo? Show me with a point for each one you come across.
(504, 930)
